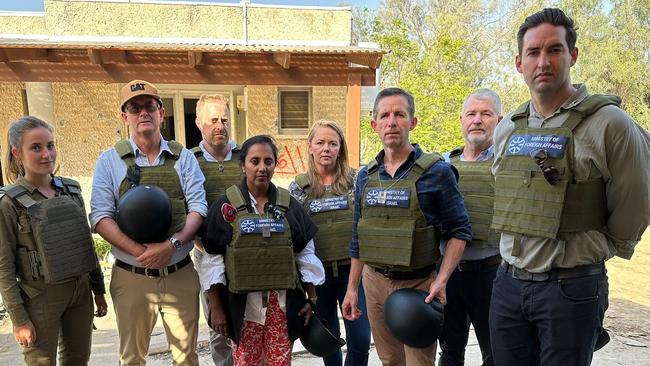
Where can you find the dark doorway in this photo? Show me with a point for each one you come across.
(167, 128)
(192, 133)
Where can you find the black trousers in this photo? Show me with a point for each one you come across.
(553, 322)
(468, 301)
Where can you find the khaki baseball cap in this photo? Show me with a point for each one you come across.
(138, 87)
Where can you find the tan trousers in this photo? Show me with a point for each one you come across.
(62, 315)
(391, 351)
(138, 299)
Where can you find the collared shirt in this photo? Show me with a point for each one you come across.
(231, 144)
(110, 171)
(437, 188)
(472, 253)
(15, 232)
(608, 144)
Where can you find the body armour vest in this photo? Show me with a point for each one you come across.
(163, 176)
(65, 247)
(333, 216)
(477, 186)
(526, 203)
(392, 230)
(219, 175)
(260, 255)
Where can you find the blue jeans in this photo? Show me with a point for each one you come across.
(553, 322)
(330, 297)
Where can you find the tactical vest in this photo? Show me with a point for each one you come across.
(163, 176)
(65, 247)
(219, 175)
(260, 255)
(333, 216)
(525, 203)
(393, 232)
(477, 186)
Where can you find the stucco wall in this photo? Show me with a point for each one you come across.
(11, 108)
(23, 24)
(299, 24)
(87, 122)
(327, 103)
(143, 20)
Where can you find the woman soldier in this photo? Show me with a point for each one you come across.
(326, 191)
(259, 299)
(48, 263)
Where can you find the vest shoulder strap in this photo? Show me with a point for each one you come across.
(123, 148)
(372, 166)
(302, 180)
(520, 115)
(596, 101)
(425, 162)
(19, 194)
(236, 198)
(196, 150)
(283, 199)
(456, 153)
(176, 149)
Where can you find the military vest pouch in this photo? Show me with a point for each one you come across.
(333, 216)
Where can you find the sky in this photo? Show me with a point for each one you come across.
(37, 5)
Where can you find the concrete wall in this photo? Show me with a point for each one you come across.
(33, 24)
(106, 18)
(11, 108)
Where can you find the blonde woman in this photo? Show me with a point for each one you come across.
(326, 192)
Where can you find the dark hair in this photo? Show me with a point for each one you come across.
(389, 92)
(258, 139)
(552, 16)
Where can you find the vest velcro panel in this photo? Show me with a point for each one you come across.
(163, 176)
(255, 262)
(65, 247)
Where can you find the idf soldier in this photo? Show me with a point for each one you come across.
(218, 157)
(571, 191)
(48, 263)
(470, 286)
(403, 199)
(151, 278)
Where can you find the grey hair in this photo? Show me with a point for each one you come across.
(483, 94)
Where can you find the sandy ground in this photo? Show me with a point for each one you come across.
(628, 320)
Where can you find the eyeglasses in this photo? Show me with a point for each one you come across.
(136, 108)
(551, 173)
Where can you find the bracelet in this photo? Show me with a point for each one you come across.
(312, 300)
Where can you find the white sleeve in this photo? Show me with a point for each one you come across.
(310, 267)
(212, 270)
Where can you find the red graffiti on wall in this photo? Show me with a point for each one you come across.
(288, 164)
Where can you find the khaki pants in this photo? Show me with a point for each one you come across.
(62, 315)
(391, 351)
(138, 299)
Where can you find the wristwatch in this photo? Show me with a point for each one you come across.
(176, 243)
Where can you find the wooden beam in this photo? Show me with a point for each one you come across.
(24, 54)
(99, 57)
(283, 59)
(353, 119)
(194, 58)
(372, 60)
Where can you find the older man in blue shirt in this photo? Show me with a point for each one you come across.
(151, 278)
(403, 181)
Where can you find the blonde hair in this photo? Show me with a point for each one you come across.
(343, 174)
(17, 129)
(214, 98)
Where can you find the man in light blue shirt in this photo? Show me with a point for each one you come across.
(470, 287)
(150, 278)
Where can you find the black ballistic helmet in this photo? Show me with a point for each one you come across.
(318, 340)
(411, 320)
(144, 214)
